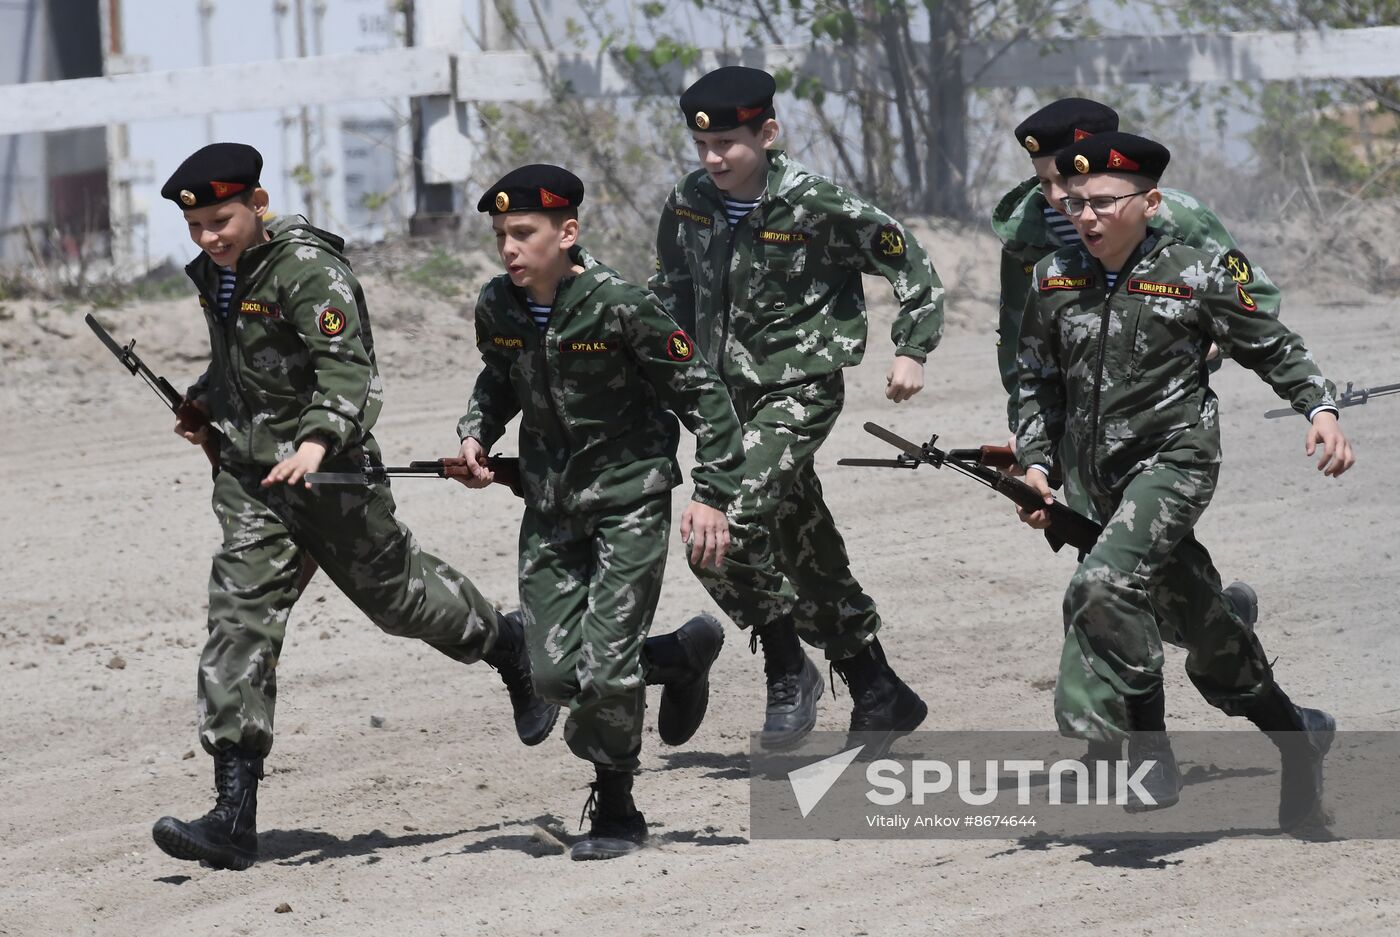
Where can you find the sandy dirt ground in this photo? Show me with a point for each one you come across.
(426, 825)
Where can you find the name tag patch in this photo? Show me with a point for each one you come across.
(508, 341)
(1065, 283)
(253, 307)
(587, 348)
(690, 214)
(1169, 290)
(792, 238)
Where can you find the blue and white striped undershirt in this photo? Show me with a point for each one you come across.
(540, 312)
(1061, 226)
(735, 209)
(227, 279)
(1110, 278)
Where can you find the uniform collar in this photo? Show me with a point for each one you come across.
(1150, 246)
(576, 287)
(786, 178)
(1019, 219)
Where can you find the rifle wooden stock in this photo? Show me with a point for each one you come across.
(1000, 457)
(506, 470)
(193, 417)
(1066, 524)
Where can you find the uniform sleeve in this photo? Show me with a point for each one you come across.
(493, 403)
(1258, 340)
(691, 389)
(324, 307)
(868, 240)
(1041, 389)
(671, 284)
(1011, 304)
(1203, 229)
(199, 390)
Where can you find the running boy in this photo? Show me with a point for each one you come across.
(1031, 224)
(761, 260)
(592, 364)
(1111, 383)
(293, 387)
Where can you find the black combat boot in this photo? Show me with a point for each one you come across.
(881, 703)
(1303, 737)
(1147, 717)
(227, 836)
(680, 662)
(794, 686)
(1245, 602)
(1109, 752)
(616, 826)
(534, 717)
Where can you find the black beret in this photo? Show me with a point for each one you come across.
(1114, 152)
(537, 187)
(1060, 123)
(214, 174)
(729, 97)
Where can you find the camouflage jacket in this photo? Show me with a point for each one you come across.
(593, 390)
(294, 357)
(1121, 371)
(778, 298)
(1019, 221)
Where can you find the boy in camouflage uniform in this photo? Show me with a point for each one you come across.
(592, 364)
(1112, 384)
(761, 260)
(1031, 226)
(292, 385)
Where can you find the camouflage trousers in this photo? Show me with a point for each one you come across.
(353, 535)
(786, 556)
(1148, 580)
(589, 584)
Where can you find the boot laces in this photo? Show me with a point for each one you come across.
(229, 797)
(782, 688)
(225, 772)
(590, 806)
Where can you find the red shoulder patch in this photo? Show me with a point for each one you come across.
(331, 321)
(679, 346)
(1246, 300)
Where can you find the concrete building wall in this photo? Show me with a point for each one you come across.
(346, 166)
(23, 171)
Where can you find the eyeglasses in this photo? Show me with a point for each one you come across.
(1101, 204)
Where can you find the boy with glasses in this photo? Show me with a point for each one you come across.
(1112, 386)
(1031, 224)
